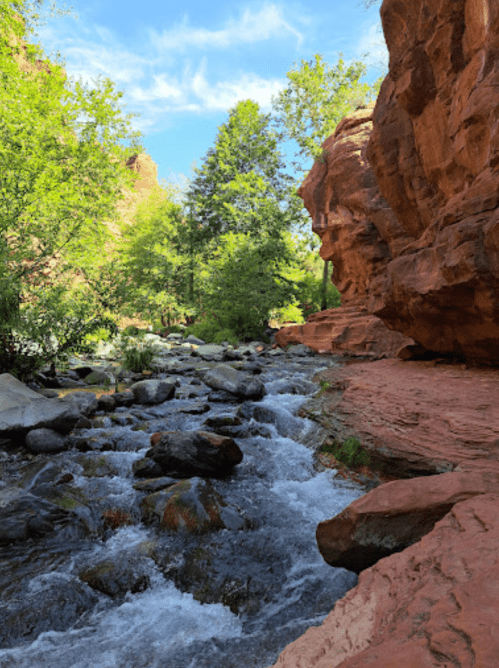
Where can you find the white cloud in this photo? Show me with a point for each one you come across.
(168, 72)
(265, 24)
(372, 42)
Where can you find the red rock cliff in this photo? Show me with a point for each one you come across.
(434, 150)
(359, 233)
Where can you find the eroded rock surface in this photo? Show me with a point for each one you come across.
(416, 418)
(434, 150)
(359, 234)
(396, 515)
(434, 604)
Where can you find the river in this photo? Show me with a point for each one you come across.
(227, 598)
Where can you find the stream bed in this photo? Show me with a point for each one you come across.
(112, 591)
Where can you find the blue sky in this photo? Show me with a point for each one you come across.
(183, 65)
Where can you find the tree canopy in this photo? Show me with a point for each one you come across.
(316, 98)
(61, 174)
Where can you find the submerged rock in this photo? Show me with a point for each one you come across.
(190, 505)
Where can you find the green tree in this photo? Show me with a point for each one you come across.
(242, 185)
(316, 98)
(242, 195)
(154, 259)
(62, 169)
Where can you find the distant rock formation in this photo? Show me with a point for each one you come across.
(359, 232)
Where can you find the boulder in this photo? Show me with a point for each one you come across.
(24, 515)
(23, 409)
(190, 505)
(395, 515)
(99, 377)
(194, 340)
(210, 352)
(153, 391)
(45, 440)
(223, 377)
(191, 453)
(85, 402)
(115, 577)
(434, 604)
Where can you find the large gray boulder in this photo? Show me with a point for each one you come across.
(153, 391)
(23, 409)
(190, 453)
(243, 385)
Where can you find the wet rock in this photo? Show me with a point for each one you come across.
(115, 577)
(197, 408)
(147, 468)
(24, 409)
(45, 440)
(24, 515)
(96, 466)
(125, 398)
(435, 603)
(224, 378)
(395, 515)
(190, 505)
(85, 402)
(106, 403)
(220, 397)
(192, 453)
(53, 606)
(153, 391)
(154, 484)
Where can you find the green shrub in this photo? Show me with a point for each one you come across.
(138, 355)
(350, 452)
(211, 332)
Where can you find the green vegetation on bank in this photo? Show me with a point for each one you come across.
(227, 255)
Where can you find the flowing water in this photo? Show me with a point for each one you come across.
(233, 597)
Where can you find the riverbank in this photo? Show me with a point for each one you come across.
(433, 429)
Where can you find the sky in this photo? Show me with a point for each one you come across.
(183, 65)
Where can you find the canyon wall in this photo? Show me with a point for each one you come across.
(415, 237)
(434, 151)
(359, 234)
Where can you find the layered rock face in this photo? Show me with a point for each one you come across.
(406, 201)
(359, 234)
(434, 151)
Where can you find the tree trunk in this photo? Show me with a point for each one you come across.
(325, 279)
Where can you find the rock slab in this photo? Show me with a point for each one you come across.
(396, 515)
(415, 418)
